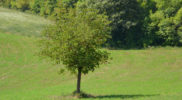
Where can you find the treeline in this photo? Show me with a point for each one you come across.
(135, 23)
(41, 7)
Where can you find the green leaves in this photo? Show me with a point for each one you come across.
(126, 18)
(76, 38)
(166, 22)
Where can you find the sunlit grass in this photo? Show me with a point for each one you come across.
(148, 74)
(132, 74)
(16, 22)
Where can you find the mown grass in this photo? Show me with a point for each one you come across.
(132, 74)
(149, 74)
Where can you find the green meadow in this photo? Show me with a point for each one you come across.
(15, 22)
(144, 74)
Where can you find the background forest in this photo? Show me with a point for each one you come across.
(135, 23)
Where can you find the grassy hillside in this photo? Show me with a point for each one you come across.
(15, 22)
(150, 74)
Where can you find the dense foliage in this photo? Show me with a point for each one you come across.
(166, 23)
(135, 23)
(42, 7)
(127, 19)
(75, 40)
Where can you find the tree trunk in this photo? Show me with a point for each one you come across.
(78, 80)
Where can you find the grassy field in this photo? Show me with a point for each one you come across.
(149, 74)
(12, 21)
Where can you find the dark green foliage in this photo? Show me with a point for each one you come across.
(23, 4)
(42, 7)
(49, 7)
(36, 6)
(6, 3)
(135, 23)
(165, 25)
(127, 19)
(70, 3)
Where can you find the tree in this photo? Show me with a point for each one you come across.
(165, 24)
(49, 7)
(6, 3)
(75, 41)
(70, 3)
(127, 19)
(23, 4)
(36, 6)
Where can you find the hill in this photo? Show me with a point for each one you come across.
(148, 74)
(15, 22)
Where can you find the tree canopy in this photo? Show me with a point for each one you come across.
(126, 17)
(134, 23)
(75, 40)
(166, 23)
